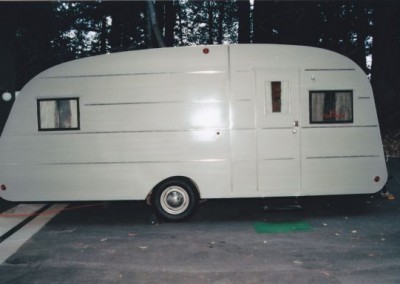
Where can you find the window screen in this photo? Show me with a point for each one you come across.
(331, 106)
(58, 114)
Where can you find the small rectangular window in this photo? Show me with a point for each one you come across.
(331, 106)
(276, 96)
(58, 114)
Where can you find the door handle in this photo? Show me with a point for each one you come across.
(295, 124)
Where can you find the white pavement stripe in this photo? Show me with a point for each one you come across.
(21, 212)
(15, 241)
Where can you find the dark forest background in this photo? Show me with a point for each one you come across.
(37, 35)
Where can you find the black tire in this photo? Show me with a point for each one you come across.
(175, 199)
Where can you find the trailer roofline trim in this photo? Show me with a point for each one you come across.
(118, 163)
(343, 157)
(151, 103)
(201, 72)
(331, 69)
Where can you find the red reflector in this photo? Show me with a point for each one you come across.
(377, 178)
(206, 50)
(3, 187)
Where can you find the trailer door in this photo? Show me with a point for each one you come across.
(278, 132)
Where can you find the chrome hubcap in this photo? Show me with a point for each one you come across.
(174, 200)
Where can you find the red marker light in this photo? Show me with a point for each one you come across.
(3, 187)
(377, 179)
(206, 50)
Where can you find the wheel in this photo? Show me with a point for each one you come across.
(175, 199)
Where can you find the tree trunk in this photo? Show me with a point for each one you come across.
(103, 34)
(362, 29)
(116, 31)
(221, 15)
(307, 19)
(116, 34)
(170, 17)
(154, 33)
(180, 15)
(262, 26)
(385, 61)
(210, 23)
(244, 21)
(8, 26)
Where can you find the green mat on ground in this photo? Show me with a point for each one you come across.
(281, 227)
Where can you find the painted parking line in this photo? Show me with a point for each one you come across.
(29, 223)
(16, 215)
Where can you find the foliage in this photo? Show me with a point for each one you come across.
(48, 33)
(391, 143)
(207, 22)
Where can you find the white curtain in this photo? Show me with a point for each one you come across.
(343, 105)
(317, 107)
(48, 115)
(74, 113)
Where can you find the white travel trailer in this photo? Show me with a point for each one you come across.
(176, 125)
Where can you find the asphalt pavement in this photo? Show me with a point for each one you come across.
(353, 239)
